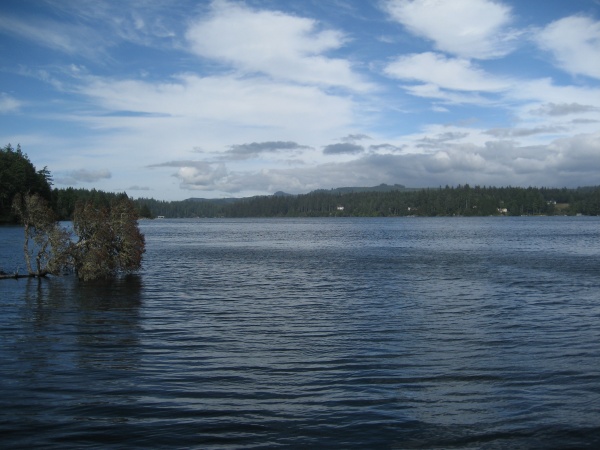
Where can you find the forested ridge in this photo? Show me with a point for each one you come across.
(447, 201)
(19, 175)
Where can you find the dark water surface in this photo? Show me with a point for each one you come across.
(339, 333)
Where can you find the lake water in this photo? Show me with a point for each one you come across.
(323, 333)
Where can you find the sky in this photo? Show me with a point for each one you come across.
(172, 99)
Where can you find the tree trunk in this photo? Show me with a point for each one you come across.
(16, 275)
(26, 249)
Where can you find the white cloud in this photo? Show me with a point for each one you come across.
(8, 104)
(282, 46)
(467, 28)
(205, 178)
(544, 103)
(575, 44)
(447, 73)
(578, 154)
(255, 102)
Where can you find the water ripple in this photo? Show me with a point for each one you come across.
(362, 333)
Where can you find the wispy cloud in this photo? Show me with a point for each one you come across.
(82, 175)
(434, 142)
(8, 103)
(69, 38)
(202, 165)
(228, 98)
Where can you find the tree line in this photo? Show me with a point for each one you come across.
(17, 174)
(462, 200)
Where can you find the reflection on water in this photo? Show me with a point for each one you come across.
(63, 345)
(396, 333)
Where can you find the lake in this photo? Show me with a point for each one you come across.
(326, 333)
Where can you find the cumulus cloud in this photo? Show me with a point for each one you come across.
(447, 73)
(343, 148)
(135, 187)
(467, 28)
(280, 45)
(563, 109)
(252, 150)
(205, 177)
(200, 175)
(574, 43)
(562, 162)
(578, 155)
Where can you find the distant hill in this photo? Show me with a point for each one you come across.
(341, 190)
(218, 201)
(381, 188)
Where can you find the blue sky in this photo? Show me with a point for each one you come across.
(178, 99)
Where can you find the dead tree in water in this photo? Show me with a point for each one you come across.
(45, 241)
(107, 239)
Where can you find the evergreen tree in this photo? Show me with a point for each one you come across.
(19, 176)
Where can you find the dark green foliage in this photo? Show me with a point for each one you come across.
(448, 201)
(19, 176)
(64, 201)
(145, 212)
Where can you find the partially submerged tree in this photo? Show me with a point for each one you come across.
(109, 241)
(45, 241)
